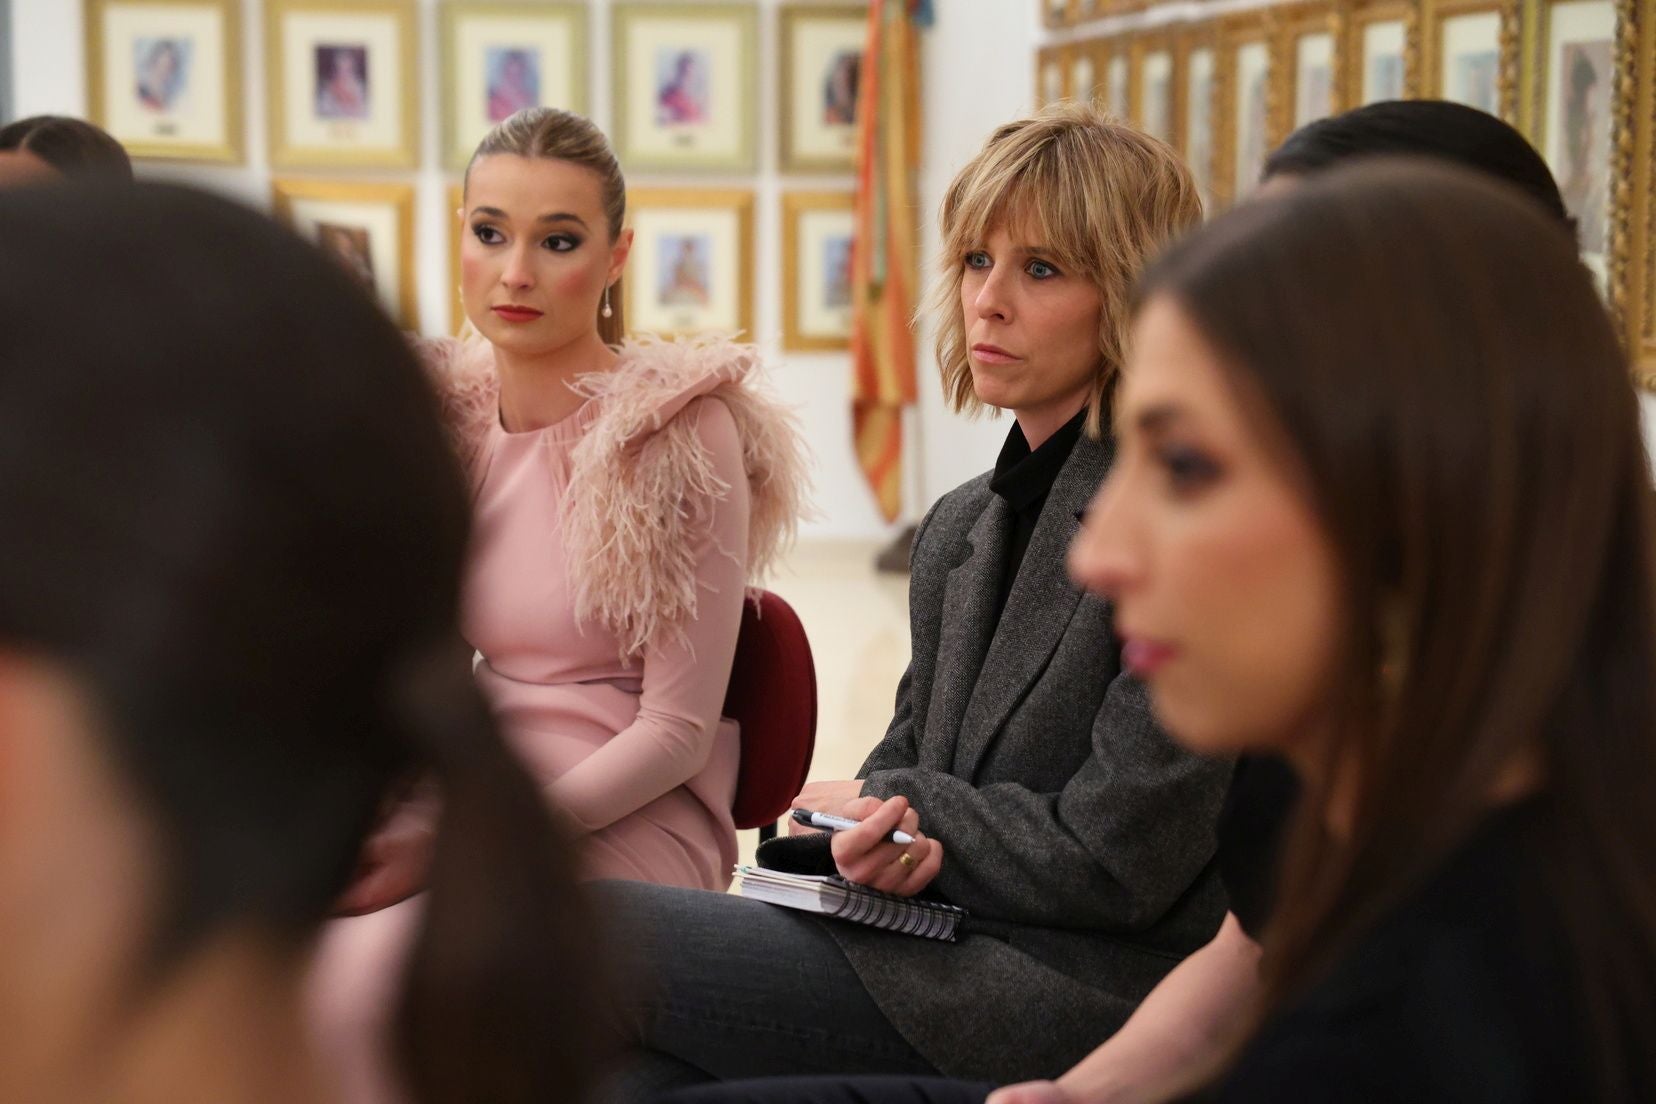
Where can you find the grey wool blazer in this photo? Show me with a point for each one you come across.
(1078, 835)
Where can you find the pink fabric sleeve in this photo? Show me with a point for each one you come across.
(684, 683)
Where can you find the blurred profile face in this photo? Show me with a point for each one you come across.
(1031, 328)
(1225, 586)
(19, 166)
(536, 255)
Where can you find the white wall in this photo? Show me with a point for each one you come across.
(972, 38)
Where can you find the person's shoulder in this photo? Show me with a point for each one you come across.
(461, 371)
(960, 507)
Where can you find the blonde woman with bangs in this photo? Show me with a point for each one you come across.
(1039, 793)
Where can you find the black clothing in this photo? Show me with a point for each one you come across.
(833, 1090)
(1258, 806)
(1023, 478)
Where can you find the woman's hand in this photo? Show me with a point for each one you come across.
(824, 797)
(866, 855)
(394, 859)
(1033, 1092)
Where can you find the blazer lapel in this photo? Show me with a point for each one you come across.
(1038, 610)
(968, 624)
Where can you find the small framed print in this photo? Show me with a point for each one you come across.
(501, 57)
(1055, 13)
(1375, 64)
(685, 86)
(1155, 90)
(1084, 78)
(817, 231)
(1573, 122)
(341, 83)
(162, 76)
(1114, 58)
(691, 267)
(1245, 108)
(1198, 61)
(1470, 53)
(1308, 39)
(822, 55)
(367, 228)
(1051, 75)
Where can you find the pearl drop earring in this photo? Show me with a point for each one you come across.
(607, 311)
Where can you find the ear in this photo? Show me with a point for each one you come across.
(619, 253)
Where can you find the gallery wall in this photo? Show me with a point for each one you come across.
(47, 52)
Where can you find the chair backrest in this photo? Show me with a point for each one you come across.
(773, 697)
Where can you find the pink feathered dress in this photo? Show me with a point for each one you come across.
(611, 553)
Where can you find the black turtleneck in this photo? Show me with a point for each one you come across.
(1023, 478)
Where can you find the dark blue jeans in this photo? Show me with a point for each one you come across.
(721, 988)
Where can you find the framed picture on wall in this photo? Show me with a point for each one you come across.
(162, 77)
(341, 83)
(1051, 75)
(1055, 13)
(1466, 53)
(822, 53)
(368, 229)
(1636, 275)
(1309, 37)
(685, 86)
(1199, 60)
(1114, 57)
(1574, 121)
(1246, 103)
(691, 267)
(499, 58)
(458, 229)
(1375, 62)
(1154, 92)
(817, 230)
(1085, 81)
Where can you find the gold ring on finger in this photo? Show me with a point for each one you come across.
(907, 860)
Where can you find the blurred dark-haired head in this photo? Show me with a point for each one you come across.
(46, 146)
(1437, 129)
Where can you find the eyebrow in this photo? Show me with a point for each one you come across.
(560, 216)
(1158, 417)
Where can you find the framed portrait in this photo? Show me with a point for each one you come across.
(501, 57)
(691, 268)
(685, 86)
(1113, 57)
(1199, 63)
(368, 229)
(1051, 75)
(822, 53)
(1470, 53)
(1154, 88)
(1309, 52)
(1375, 62)
(1573, 113)
(817, 231)
(341, 83)
(1246, 107)
(162, 77)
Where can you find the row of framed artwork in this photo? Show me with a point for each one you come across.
(341, 75)
(691, 268)
(1575, 75)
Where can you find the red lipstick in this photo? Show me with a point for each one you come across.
(1145, 657)
(512, 313)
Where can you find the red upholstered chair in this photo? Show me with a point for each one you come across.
(772, 696)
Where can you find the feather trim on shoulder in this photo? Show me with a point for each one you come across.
(462, 371)
(643, 488)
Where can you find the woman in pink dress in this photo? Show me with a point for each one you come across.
(625, 494)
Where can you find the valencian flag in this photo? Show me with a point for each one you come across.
(883, 262)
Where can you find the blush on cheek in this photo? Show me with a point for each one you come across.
(576, 285)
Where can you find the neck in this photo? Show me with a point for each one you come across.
(534, 388)
(1039, 425)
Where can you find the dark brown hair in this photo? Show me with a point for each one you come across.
(73, 147)
(231, 513)
(565, 136)
(1439, 364)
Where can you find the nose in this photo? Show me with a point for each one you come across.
(993, 301)
(1104, 558)
(519, 271)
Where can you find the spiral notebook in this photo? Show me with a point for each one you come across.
(836, 897)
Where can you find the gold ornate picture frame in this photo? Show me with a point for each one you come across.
(1086, 79)
(1379, 51)
(1113, 59)
(817, 232)
(1633, 268)
(1052, 73)
(822, 56)
(340, 76)
(1156, 96)
(1469, 52)
(367, 228)
(1307, 64)
(164, 78)
(1247, 112)
(500, 56)
(685, 86)
(1198, 62)
(691, 267)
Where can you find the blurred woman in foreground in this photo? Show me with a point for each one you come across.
(231, 537)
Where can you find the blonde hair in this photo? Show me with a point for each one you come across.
(1103, 199)
(565, 136)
